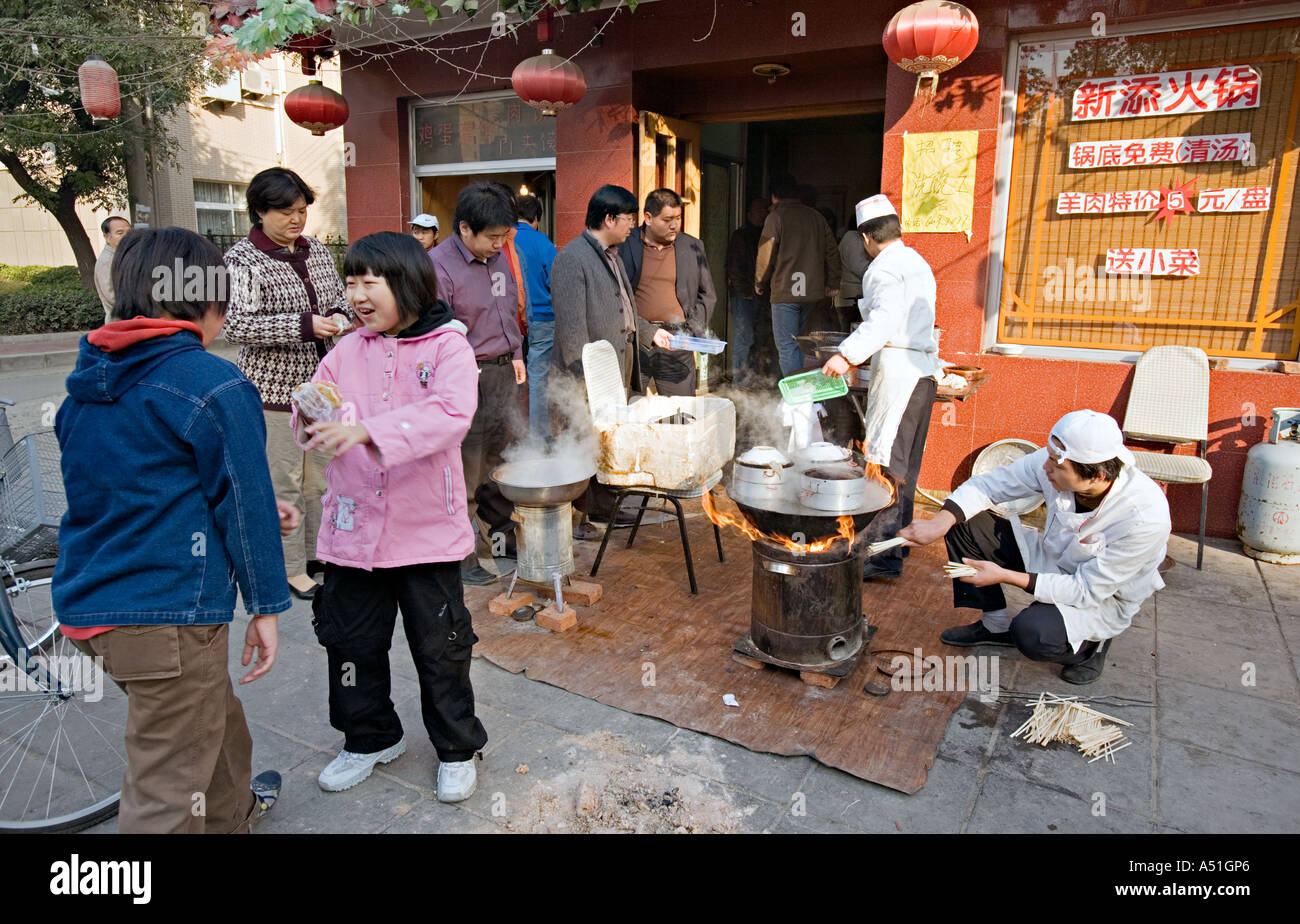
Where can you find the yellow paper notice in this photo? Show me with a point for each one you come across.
(939, 182)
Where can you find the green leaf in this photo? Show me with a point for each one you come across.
(454, 6)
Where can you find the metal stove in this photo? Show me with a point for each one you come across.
(806, 603)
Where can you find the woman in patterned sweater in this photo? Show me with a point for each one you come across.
(286, 303)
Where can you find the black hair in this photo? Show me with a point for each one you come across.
(609, 202)
(511, 197)
(882, 230)
(785, 187)
(530, 208)
(275, 188)
(661, 199)
(405, 266)
(107, 224)
(1109, 470)
(171, 270)
(484, 205)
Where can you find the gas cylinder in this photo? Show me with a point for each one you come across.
(1268, 515)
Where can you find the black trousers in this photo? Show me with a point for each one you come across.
(673, 371)
(355, 615)
(1039, 629)
(904, 468)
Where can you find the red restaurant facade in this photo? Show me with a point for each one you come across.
(674, 99)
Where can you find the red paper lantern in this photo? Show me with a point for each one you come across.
(316, 108)
(930, 37)
(100, 96)
(548, 82)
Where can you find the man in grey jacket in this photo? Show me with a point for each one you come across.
(590, 291)
(673, 288)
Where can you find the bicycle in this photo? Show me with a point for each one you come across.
(62, 724)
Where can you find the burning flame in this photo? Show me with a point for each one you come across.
(872, 471)
(846, 530)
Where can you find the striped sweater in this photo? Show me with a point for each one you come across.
(271, 308)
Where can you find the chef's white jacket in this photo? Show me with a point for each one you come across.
(897, 334)
(1096, 566)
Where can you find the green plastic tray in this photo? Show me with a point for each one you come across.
(808, 387)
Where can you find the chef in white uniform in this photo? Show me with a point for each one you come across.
(1091, 568)
(897, 335)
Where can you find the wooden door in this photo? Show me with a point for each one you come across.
(669, 157)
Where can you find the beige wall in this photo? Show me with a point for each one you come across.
(223, 142)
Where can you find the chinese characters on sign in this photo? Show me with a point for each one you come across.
(939, 181)
(1091, 155)
(483, 130)
(1152, 261)
(1240, 199)
(1176, 93)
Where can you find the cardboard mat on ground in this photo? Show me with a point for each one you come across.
(650, 647)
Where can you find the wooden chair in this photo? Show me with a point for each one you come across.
(1170, 403)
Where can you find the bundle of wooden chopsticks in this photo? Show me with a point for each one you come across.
(877, 547)
(1064, 718)
(957, 569)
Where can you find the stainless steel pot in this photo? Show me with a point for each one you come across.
(833, 489)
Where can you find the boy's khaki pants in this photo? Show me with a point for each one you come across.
(188, 750)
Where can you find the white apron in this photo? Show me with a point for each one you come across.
(894, 374)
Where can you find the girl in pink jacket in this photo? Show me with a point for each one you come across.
(394, 526)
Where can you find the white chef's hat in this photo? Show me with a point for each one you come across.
(1089, 437)
(873, 207)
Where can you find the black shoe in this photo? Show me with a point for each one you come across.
(315, 567)
(1087, 671)
(975, 634)
(587, 531)
(304, 594)
(266, 787)
(478, 576)
(872, 572)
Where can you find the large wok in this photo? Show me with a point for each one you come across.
(544, 482)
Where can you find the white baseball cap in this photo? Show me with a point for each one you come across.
(425, 220)
(1089, 437)
(873, 207)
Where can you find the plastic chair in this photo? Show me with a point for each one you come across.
(1170, 403)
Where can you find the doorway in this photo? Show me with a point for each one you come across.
(835, 159)
(438, 195)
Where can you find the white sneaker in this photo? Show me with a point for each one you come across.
(348, 769)
(456, 780)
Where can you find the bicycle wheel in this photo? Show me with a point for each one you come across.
(62, 720)
(26, 586)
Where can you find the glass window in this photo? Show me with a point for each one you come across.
(221, 209)
(484, 130)
(1150, 195)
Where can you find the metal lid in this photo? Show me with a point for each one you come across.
(764, 456)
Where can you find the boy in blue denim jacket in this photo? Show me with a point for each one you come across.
(170, 507)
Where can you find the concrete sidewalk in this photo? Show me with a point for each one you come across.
(54, 352)
(1215, 655)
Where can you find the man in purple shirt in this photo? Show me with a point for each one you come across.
(475, 279)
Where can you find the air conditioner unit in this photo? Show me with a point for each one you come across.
(256, 82)
(226, 92)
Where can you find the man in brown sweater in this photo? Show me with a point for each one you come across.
(673, 288)
(798, 263)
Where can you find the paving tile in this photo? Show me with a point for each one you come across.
(1129, 671)
(1011, 805)
(1231, 723)
(1126, 783)
(1290, 626)
(432, 817)
(786, 823)
(368, 807)
(938, 807)
(1228, 576)
(1283, 583)
(516, 695)
(1249, 623)
(1205, 792)
(1224, 667)
(770, 776)
(970, 731)
(273, 751)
